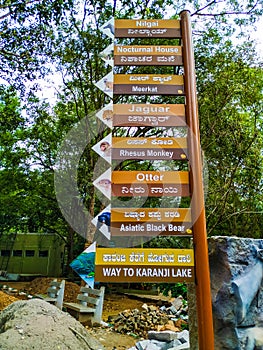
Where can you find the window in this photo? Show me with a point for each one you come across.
(5, 252)
(43, 253)
(17, 252)
(30, 253)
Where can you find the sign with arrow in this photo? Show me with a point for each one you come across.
(103, 183)
(106, 84)
(103, 148)
(84, 265)
(106, 115)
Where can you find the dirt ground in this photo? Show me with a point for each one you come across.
(113, 304)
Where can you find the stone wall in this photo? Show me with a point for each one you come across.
(236, 267)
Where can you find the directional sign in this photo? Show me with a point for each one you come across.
(149, 28)
(106, 84)
(148, 115)
(103, 183)
(150, 214)
(84, 265)
(106, 115)
(144, 265)
(150, 177)
(103, 148)
(150, 222)
(147, 55)
(148, 84)
(150, 183)
(149, 148)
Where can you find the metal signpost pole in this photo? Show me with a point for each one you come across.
(202, 273)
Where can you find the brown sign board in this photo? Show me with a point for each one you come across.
(163, 148)
(147, 55)
(125, 28)
(140, 274)
(151, 229)
(148, 115)
(148, 84)
(149, 154)
(142, 190)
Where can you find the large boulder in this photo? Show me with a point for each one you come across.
(36, 324)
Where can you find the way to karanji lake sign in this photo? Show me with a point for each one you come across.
(138, 265)
(156, 177)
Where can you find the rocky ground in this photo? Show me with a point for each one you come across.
(118, 311)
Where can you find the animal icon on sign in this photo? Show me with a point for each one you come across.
(108, 85)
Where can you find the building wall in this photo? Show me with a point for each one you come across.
(33, 253)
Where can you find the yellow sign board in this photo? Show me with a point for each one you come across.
(149, 79)
(150, 214)
(149, 109)
(150, 177)
(146, 23)
(143, 142)
(144, 256)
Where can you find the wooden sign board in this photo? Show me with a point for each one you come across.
(150, 28)
(150, 177)
(149, 190)
(151, 229)
(163, 148)
(150, 184)
(144, 265)
(148, 84)
(150, 214)
(148, 115)
(147, 55)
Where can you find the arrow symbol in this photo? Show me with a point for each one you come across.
(102, 221)
(108, 28)
(106, 115)
(103, 148)
(84, 265)
(107, 55)
(103, 183)
(106, 84)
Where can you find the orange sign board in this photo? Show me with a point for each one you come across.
(154, 142)
(149, 109)
(148, 84)
(156, 79)
(146, 23)
(150, 214)
(150, 177)
(148, 115)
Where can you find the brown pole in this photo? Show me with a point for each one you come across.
(202, 273)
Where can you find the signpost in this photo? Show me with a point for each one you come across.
(143, 264)
(147, 55)
(140, 264)
(148, 84)
(149, 148)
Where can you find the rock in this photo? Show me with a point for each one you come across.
(36, 324)
(163, 335)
